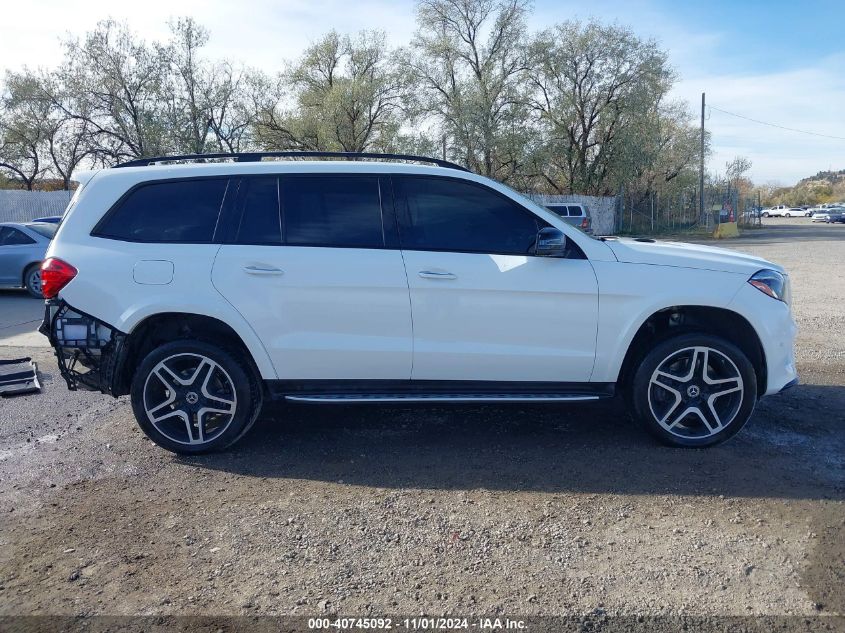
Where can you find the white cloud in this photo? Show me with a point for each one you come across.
(261, 33)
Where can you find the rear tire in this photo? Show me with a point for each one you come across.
(191, 397)
(32, 281)
(694, 390)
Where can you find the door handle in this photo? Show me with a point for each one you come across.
(430, 274)
(263, 270)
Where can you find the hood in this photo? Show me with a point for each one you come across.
(680, 254)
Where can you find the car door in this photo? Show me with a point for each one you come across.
(308, 264)
(16, 251)
(484, 307)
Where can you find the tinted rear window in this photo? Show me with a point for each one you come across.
(175, 211)
(332, 211)
(575, 212)
(261, 222)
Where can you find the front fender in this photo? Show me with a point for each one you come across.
(631, 293)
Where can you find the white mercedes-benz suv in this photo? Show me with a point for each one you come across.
(204, 289)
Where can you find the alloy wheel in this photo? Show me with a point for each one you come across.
(695, 392)
(189, 398)
(33, 280)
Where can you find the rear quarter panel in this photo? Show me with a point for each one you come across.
(106, 287)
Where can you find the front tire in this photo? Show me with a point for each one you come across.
(32, 281)
(190, 397)
(765, 215)
(694, 390)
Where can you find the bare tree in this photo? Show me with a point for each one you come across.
(23, 129)
(236, 97)
(68, 146)
(736, 169)
(343, 94)
(590, 82)
(468, 61)
(187, 87)
(115, 83)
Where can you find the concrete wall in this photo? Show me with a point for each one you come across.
(602, 209)
(22, 206)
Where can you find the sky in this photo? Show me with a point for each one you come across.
(777, 61)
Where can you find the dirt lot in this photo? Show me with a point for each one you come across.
(514, 510)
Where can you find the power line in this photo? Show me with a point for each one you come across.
(781, 127)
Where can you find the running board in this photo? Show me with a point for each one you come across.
(439, 397)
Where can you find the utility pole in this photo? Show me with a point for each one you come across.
(701, 166)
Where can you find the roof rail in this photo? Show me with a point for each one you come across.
(250, 157)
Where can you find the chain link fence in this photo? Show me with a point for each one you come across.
(22, 206)
(679, 212)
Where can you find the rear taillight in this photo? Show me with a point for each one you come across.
(584, 223)
(55, 275)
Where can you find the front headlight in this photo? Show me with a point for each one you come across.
(772, 283)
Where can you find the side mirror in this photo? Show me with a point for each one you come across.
(551, 242)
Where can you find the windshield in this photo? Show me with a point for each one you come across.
(44, 228)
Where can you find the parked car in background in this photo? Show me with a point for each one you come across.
(794, 212)
(821, 215)
(835, 216)
(775, 211)
(22, 248)
(578, 215)
(50, 219)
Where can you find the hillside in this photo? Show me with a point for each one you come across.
(831, 177)
(825, 186)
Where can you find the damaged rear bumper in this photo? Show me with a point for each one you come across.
(90, 352)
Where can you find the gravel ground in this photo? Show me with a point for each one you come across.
(506, 510)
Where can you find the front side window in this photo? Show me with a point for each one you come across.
(453, 215)
(12, 237)
(342, 211)
(171, 211)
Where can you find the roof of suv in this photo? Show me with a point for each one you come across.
(291, 165)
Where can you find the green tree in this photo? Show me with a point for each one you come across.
(343, 94)
(114, 83)
(596, 89)
(24, 128)
(468, 63)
